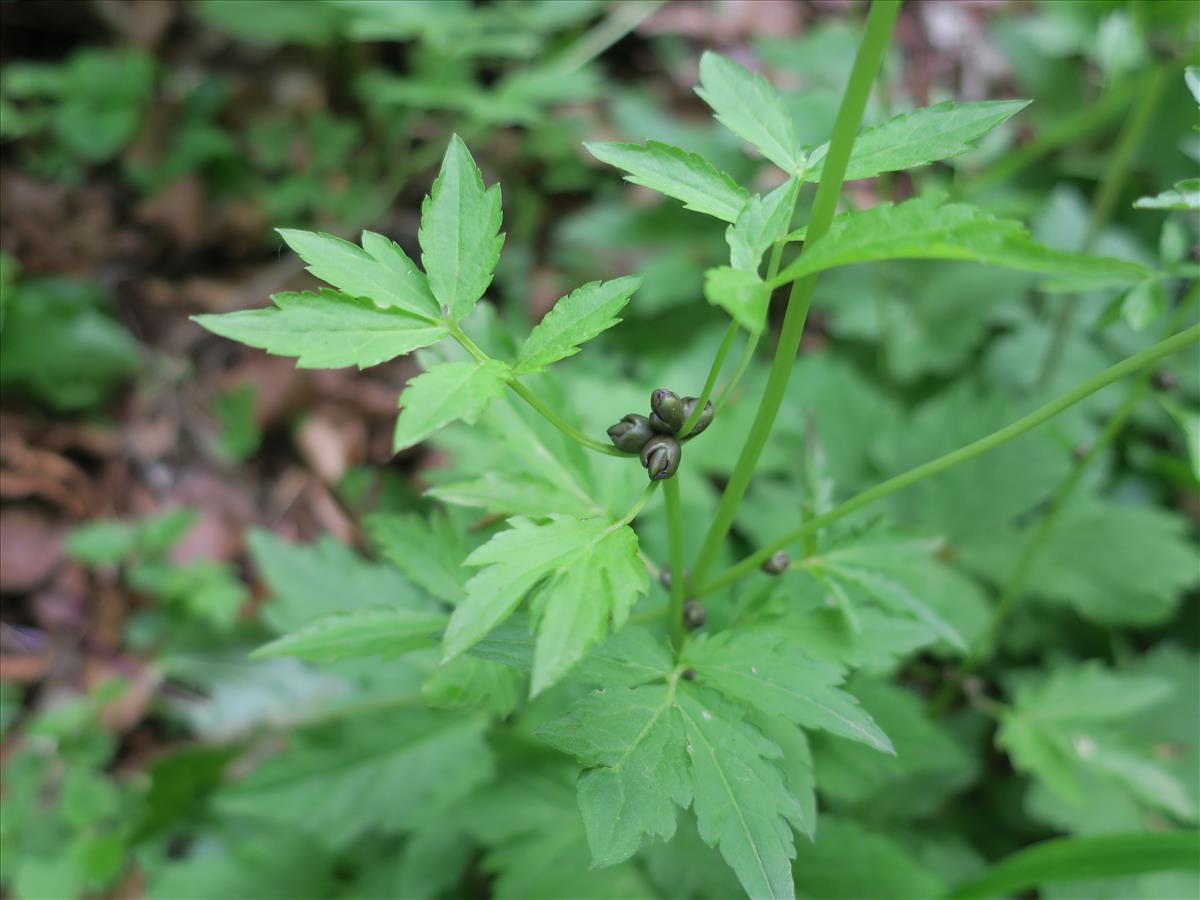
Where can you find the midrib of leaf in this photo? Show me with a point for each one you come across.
(459, 236)
(364, 757)
(762, 869)
(641, 736)
(667, 703)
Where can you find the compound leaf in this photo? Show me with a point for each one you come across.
(574, 319)
(687, 177)
(751, 108)
(326, 330)
(379, 270)
(450, 391)
(919, 137)
(460, 232)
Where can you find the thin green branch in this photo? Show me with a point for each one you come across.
(638, 506)
(866, 65)
(533, 400)
(1015, 586)
(963, 454)
(709, 383)
(1116, 173)
(624, 19)
(562, 425)
(675, 541)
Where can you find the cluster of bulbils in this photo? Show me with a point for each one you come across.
(656, 439)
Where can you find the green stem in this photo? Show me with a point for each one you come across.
(866, 65)
(558, 422)
(675, 540)
(963, 454)
(638, 506)
(623, 20)
(752, 341)
(1116, 173)
(1015, 585)
(713, 371)
(532, 399)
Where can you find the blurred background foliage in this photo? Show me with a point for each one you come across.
(156, 481)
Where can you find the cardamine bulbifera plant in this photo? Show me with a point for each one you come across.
(703, 701)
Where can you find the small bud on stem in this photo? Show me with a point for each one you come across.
(661, 456)
(777, 563)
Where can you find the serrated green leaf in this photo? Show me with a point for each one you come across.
(918, 138)
(751, 108)
(374, 631)
(741, 804)
(796, 766)
(633, 740)
(574, 319)
(379, 270)
(372, 772)
(326, 330)
(429, 551)
(1116, 564)
(928, 768)
(112, 541)
(310, 582)
(630, 657)
(762, 221)
(687, 177)
(511, 495)
(1064, 728)
(1184, 195)
(529, 821)
(895, 596)
(469, 682)
(592, 574)
(927, 228)
(460, 232)
(1085, 858)
(445, 393)
(742, 294)
(1144, 304)
(756, 668)
(1188, 421)
(849, 862)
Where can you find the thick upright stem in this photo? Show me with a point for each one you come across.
(866, 65)
(675, 541)
(1009, 432)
